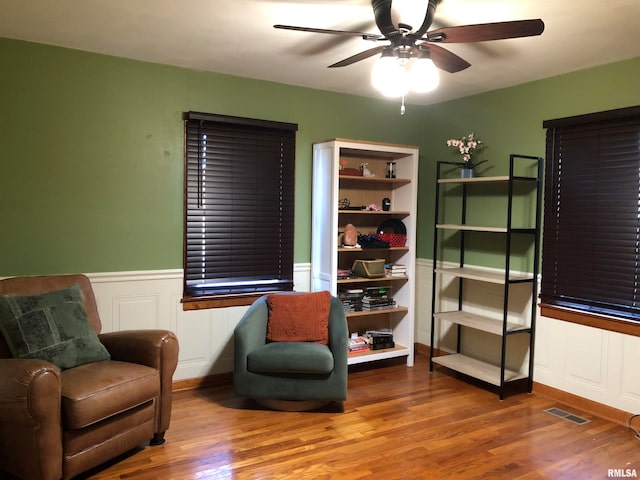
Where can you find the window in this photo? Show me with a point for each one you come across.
(239, 209)
(591, 243)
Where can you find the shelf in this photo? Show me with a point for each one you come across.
(396, 249)
(485, 276)
(471, 228)
(368, 313)
(477, 368)
(362, 181)
(372, 355)
(371, 212)
(369, 280)
(496, 179)
(480, 322)
(481, 228)
(367, 150)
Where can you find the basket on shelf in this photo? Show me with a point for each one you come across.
(394, 239)
(373, 268)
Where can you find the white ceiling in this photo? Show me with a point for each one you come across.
(237, 37)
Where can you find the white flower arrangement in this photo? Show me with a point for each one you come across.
(467, 146)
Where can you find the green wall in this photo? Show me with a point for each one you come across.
(92, 153)
(510, 121)
(92, 156)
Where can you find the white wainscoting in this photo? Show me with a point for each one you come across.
(151, 299)
(588, 362)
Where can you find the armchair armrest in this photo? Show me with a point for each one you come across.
(30, 420)
(250, 333)
(154, 348)
(338, 333)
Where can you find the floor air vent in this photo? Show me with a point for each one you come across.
(567, 416)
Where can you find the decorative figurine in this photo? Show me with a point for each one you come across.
(365, 170)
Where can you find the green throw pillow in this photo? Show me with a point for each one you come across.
(52, 326)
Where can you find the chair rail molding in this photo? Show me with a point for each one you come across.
(150, 299)
(591, 363)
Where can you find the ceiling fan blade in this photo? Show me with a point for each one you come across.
(444, 59)
(486, 31)
(365, 36)
(359, 56)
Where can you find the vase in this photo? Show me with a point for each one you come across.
(466, 173)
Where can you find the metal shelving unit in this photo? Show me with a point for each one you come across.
(498, 375)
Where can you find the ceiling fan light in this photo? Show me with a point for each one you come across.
(380, 71)
(389, 77)
(423, 76)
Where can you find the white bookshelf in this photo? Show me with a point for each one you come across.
(328, 222)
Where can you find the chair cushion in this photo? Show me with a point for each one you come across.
(299, 317)
(95, 391)
(291, 357)
(52, 326)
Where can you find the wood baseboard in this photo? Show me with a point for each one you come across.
(574, 401)
(598, 409)
(202, 382)
(569, 399)
(422, 349)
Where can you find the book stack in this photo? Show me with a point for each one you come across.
(395, 270)
(351, 299)
(343, 273)
(377, 298)
(379, 339)
(358, 344)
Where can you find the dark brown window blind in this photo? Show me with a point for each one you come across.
(239, 205)
(591, 242)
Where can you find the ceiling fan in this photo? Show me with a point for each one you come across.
(406, 44)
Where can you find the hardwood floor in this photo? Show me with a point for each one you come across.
(398, 422)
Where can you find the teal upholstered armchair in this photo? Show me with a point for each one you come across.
(290, 375)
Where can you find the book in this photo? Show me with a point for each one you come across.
(379, 291)
(358, 344)
(351, 300)
(395, 270)
(380, 331)
(395, 267)
(380, 346)
(373, 340)
(377, 303)
(343, 274)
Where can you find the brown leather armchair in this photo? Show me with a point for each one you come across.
(58, 423)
